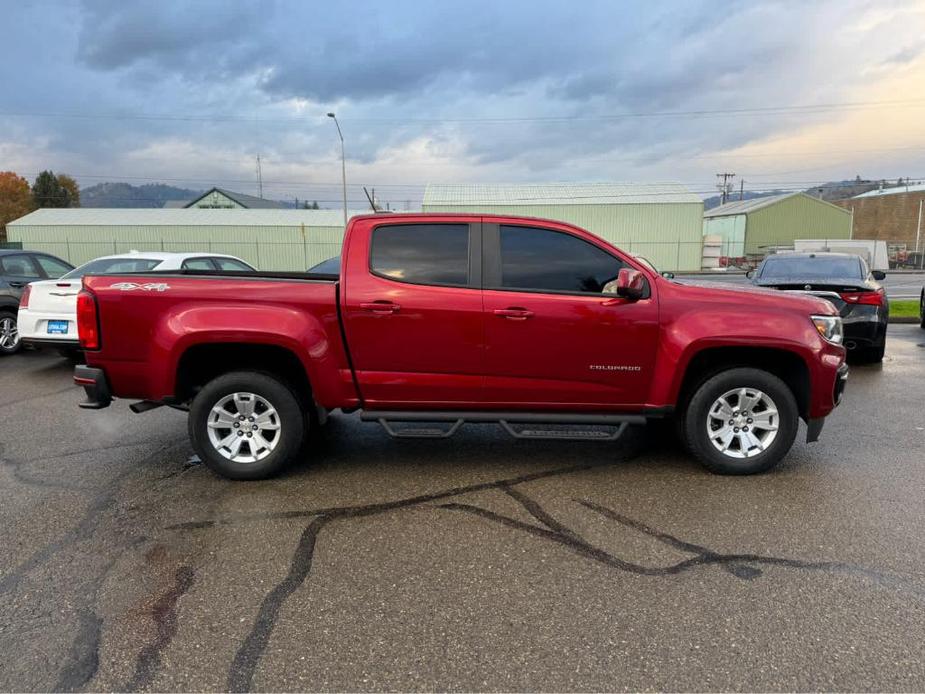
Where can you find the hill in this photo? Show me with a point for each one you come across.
(126, 195)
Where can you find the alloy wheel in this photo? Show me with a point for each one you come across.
(244, 427)
(742, 423)
(9, 334)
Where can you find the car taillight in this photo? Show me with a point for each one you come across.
(24, 299)
(864, 298)
(88, 324)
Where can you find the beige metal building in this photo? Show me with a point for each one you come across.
(270, 239)
(752, 228)
(660, 221)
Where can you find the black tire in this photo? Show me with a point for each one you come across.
(290, 419)
(5, 317)
(872, 355)
(922, 310)
(696, 418)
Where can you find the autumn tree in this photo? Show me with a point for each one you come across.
(47, 191)
(73, 190)
(15, 199)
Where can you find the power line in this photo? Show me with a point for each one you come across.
(771, 110)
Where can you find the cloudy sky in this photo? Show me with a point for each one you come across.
(189, 92)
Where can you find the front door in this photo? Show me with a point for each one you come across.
(413, 314)
(553, 340)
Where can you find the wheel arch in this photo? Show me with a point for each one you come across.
(201, 363)
(787, 365)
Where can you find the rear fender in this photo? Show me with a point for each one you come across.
(212, 324)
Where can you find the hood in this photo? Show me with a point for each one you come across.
(747, 295)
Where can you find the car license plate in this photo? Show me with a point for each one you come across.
(57, 327)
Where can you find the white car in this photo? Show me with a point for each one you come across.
(48, 308)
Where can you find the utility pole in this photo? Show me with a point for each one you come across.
(725, 186)
(259, 179)
(741, 189)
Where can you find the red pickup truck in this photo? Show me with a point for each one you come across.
(450, 318)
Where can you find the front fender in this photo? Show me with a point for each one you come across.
(689, 334)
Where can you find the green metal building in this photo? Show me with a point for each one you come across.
(269, 239)
(755, 227)
(659, 221)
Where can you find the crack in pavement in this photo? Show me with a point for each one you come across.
(164, 614)
(741, 565)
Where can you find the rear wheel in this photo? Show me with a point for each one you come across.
(9, 333)
(922, 310)
(741, 421)
(246, 425)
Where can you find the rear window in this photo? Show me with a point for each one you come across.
(112, 266)
(422, 253)
(819, 266)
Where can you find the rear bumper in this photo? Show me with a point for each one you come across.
(95, 386)
(45, 342)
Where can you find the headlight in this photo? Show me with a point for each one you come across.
(830, 327)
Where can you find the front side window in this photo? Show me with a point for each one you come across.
(198, 264)
(53, 267)
(534, 259)
(18, 266)
(232, 264)
(422, 253)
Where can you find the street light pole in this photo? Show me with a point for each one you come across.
(343, 165)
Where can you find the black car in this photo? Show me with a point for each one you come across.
(846, 281)
(17, 269)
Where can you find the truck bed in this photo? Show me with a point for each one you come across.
(151, 320)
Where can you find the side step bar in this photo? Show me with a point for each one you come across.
(619, 422)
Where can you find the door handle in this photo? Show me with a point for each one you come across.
(380, 307)
(17, 285)
(514, 313)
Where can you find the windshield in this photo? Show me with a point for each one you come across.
(811, 266)
(112, 266)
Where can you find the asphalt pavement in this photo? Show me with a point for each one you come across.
(898, 285)
(476, 563)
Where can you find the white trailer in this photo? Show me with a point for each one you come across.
(874, 252)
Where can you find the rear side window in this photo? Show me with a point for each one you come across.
(422, 253)
(535, 259)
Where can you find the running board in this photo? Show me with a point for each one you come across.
(618, 422)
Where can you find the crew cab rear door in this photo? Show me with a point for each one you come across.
(552, 338)
(412, 312)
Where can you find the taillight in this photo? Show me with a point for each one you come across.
(24, 299)
(864, 298)
(88, 324)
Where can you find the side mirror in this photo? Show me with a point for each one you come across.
(878, 275)
(631, 284)
(750, 274)
(668, 275)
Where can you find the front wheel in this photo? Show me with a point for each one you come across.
(246, 425)
(9, 333)
(741, 421)
(922, 310)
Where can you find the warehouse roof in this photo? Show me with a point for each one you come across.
(251, 202)
(917, 188)
(557, 194)
(745, 206)
(108, 216)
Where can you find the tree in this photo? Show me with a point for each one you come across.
(47, 191)
(15, 199)
(73, 190)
